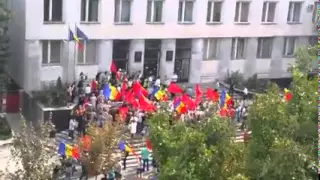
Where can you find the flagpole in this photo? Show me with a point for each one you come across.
(68, 53)
(75, 55)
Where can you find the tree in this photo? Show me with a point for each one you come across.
(196, 151)
(5, 16)
(284, 136)
(30, 152)
(100, 155)
(306, 59)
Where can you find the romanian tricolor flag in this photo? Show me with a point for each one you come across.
(179, 106)
(111, 92)
(225, 99)
(126, 147)
(68, 150)
(73, 37)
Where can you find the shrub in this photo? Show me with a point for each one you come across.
(5, 130)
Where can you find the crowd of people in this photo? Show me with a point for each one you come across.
(113, 96)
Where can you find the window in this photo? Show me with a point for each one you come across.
(214, 11)
(89, 10)
(52, 11)
(122, 11)
(242, 12)
(264, 48)
(211, 49)
(314, 12)
(169, 55)
(313, 40)
(185, 13)
(87, 55)
(268, 11)
(294, 12)
(289, 46)
(137, 56)
(154, 11)
(51, 52)
(238, 48)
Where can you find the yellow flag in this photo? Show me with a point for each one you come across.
(68, 150)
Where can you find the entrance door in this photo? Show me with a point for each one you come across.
(182, 59)
(151, 58)
(120, 55)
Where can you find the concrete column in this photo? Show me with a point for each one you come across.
(32, 69)
(167, 67)
(224, 54)
(251, 53)
(136, 45)
(276, 69)
(196, 61)
(68, 62)
(104, 54)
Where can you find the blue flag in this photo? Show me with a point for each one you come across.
(222, 98)
(106, 91)
(121, 146)
(62, 149)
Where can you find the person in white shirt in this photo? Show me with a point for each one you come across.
(157, 82)
(72, 126)
(133, 128)
(174, 78)
(88, 90)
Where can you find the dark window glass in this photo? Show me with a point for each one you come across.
(169, 55)
(138, 56)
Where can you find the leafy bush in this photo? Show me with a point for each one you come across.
(5, 130)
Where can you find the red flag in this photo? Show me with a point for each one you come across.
(146, 104)
(197, 90)
(147, 142)
(75, 152)
(123, 112)
(138, 89)
(113, 67)
(212, 95)
(129, 98)
(188, 102)
(223, 112)
(173, 88)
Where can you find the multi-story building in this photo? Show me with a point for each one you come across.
(201, 40)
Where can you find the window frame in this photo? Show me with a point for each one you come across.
(208, 43)
(234, 50)
(50, 13)
(48, 62)
(86, 13)
(84, 51)
(183, 11)
(291, 12)
(260, 47)
(286, 47)
(265, 20)
(119, 21)
(152, 13)
(238, 21)
(213, 2)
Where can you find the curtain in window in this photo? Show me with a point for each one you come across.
(271, 13)
(55, 51)
(91, 52)
(244, 12)
(157, 11)
(56, 10)
(44, 52)
(296, 12)
(125, 11)
(93, 10)
(188, 11)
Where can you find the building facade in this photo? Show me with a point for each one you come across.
(200, 40)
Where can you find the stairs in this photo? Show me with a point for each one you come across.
(132, 162)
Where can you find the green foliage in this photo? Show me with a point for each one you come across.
(54, 95)
(252, 83)
(306, 59)
(5, 130)
(198, 151)
(5, 16)
(284, 136)
(31, 155)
